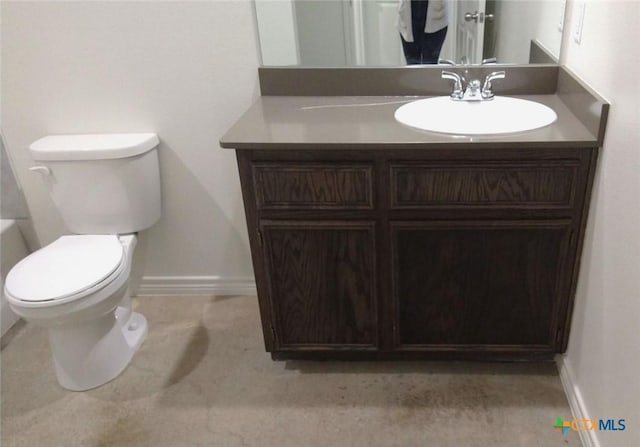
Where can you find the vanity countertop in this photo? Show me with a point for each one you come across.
(359, 122)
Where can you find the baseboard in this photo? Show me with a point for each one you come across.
(195, 285)
(589, 438)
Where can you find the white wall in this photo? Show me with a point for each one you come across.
(518, 22)
(603, 359)
(277, 31)
(321, 34)
(186, 70)
(547, 31)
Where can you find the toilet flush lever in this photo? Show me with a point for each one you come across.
(41, 169)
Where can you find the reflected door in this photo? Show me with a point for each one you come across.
(470, 17)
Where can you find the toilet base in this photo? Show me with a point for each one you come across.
(91, 354)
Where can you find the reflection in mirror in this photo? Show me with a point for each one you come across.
(344, 33)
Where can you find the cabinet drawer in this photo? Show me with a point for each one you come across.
(484, 184)
(299, 185)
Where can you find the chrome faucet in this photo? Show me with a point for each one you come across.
(472, 92)
(486, 87)
(457, 92)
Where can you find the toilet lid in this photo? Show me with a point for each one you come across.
(64, 268)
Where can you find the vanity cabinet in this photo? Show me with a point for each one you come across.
(416, 253)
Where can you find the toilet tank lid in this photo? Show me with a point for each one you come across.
(93, 146)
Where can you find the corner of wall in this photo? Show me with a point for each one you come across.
(576, 402)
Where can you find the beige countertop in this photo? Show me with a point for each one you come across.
(367, 122)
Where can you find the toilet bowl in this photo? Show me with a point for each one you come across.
(77, 287)
(107, 188)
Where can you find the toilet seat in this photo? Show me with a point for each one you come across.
(68, 269)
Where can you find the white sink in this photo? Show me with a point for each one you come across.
(498, 115)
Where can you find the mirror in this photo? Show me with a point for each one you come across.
(351, 33)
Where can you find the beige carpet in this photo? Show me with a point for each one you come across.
(202, 378)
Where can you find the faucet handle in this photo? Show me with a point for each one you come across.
(489, 60)
(457, 92)
(446, 62)
(486, 88)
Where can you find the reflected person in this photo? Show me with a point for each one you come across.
(423, 27)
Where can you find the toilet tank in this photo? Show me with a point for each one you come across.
(102, 183)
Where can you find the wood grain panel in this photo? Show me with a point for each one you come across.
(484, 184)
(313, 185)
(491, 235)
(478, 283)
(323, 282)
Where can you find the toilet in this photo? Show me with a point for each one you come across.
(107, 188)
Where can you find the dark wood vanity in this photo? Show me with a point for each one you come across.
(432, 249)
(418, 251)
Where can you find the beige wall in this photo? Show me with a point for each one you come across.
(604, 350)
(186, 70)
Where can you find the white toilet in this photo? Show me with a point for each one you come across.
(106, 187)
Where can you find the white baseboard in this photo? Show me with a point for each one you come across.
(195, 285)
(589, 438)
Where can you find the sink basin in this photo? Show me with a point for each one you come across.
(500, 115)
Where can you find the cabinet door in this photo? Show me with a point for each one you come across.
(464, 284)
(322, 284)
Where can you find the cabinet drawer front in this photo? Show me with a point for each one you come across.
(313, 185)
(487, 185)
